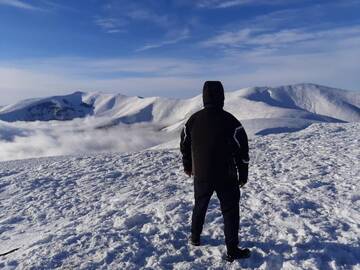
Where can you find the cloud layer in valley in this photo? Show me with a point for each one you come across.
(21, 140)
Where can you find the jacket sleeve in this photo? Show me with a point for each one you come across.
(185, 148)
(241, 153)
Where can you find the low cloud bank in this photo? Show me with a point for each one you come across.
(22, 140)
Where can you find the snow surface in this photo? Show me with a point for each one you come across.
(300, 209)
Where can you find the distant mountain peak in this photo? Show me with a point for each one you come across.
(303, 102)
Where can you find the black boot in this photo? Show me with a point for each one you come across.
(195, 240)
(237, 253)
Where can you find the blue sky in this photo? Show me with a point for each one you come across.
(169, 47)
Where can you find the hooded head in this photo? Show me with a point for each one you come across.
(213, 94)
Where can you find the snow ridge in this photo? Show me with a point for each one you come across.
(306, 101)
(53, 108)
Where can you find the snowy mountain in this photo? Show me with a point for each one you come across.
(304, 101)
(44, 109)
(117, 123)
(299, 210)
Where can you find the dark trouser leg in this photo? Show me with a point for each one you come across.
(229, 196)
(203, 193)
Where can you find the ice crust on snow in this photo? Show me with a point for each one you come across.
(299, 210)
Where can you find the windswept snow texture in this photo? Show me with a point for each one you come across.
(299, 210)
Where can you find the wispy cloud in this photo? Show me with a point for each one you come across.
(132, 11)
(147, 15)
(232, 3)
(335, 64)
(18, 4)
(175, 38)
(116, 15)
(111, 25)
(96, 68)
(285, 39)
(140, 16)
(42, 5)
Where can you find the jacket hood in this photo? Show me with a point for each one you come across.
(213, 94)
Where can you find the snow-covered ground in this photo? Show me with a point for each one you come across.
(300, 209)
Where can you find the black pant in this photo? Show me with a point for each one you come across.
(229, 196)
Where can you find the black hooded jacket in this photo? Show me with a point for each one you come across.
(214, 144)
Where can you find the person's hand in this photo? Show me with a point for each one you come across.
(242, 183)
(188, 173)
(243, 177)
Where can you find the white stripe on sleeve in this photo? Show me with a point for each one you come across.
(236, 140)
(185, 135)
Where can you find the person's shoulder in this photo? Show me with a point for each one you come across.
(196, 114)
(193, 116)
(231, 118)
(228, 114)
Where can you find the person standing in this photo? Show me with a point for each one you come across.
(215, 151)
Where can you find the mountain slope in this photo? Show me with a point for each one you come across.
(299, 210)
(335, 103)
(44, 109)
